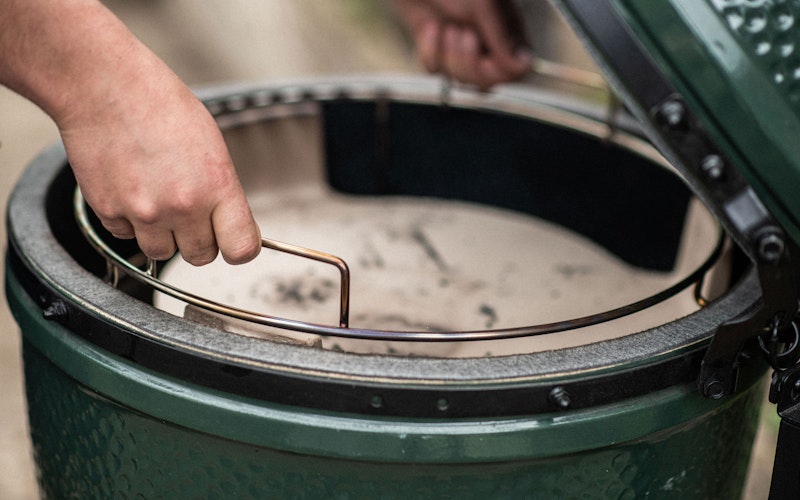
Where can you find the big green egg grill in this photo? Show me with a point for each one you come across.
(465, 341)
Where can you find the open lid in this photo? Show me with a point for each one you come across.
(716, 86)
(718, 83)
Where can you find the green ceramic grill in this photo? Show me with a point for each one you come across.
(716, 83)
(532, 296)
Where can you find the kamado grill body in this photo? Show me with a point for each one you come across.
(128, 400)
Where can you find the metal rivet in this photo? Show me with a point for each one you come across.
(376, 401)
(713, 166)
(770, 247)
(673, 112)
(713, 389)
(342, 94)
(278, 97)
(236, 103)
(561, 398)
(442, 404)
(56, 311)
(261, 98)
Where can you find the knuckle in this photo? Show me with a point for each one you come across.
(178, 206)
(197, 246)
(243, 252)
(107, 211)
(183, 204)
(145, 213)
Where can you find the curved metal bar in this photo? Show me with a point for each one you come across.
(569, 74)
(149, 276)
(341, 265)
(326, 258)
(343, 330)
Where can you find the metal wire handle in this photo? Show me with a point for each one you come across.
(561, 73)
(149, 276)
(568, 74)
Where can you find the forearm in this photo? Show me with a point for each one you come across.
(146, 153)
(67, 54)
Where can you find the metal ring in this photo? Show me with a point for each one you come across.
(297, 96)
(148, 277)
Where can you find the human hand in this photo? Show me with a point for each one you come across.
(472, 41)
(147, 155)
(152, 164)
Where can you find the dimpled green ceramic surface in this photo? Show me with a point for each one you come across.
(90, 445)
(737, 64)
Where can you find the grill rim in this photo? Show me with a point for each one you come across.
(99, 312)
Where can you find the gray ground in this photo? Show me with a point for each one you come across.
(211, 42)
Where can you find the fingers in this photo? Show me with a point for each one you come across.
(119, 228)
(196, 242)
(501, 32)
(460, 55)
(156, 243)
(236, 231)
(463, 57)
(428, 41)
(473, 42)
(197, 235)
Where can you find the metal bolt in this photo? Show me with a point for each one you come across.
(260, 98)
(714, 389)
(561, 398)
(713, 166)
(770, 247)
(56, 311)
(307, 95)
(236, 103)
(673, 112)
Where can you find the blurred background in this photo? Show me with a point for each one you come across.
(240, 40)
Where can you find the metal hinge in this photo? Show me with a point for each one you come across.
(772, 321)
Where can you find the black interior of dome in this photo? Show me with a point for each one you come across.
(620, 200)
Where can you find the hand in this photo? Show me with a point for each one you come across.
(152, 164)
(147, 155)
(472, 41)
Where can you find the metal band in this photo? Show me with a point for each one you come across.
(243, 105)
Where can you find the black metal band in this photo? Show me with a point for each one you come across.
(373, 399)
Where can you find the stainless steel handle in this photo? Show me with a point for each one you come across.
(149, 275)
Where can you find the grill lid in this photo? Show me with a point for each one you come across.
(709, 82)
(718, 84)
(713, 79)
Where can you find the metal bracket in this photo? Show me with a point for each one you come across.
(772, 315)
(785, 391)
